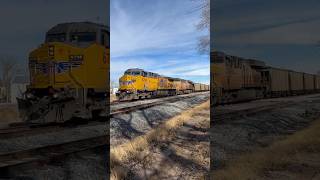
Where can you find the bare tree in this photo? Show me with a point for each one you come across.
(204, 24)
(7, 66)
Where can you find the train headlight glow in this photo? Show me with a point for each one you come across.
(55, 95)
(29, 95)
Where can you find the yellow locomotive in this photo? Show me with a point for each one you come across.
(69, 74)
(140, 84)
(234, 78)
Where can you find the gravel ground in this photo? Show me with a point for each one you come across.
(127, 126)
(132, 123)
(183, 154)
(146, 101)
(78, 165)
(244, 134)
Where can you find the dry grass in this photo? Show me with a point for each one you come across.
(123, 153)
(290, 156)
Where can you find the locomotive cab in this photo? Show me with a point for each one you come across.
(137, 84)
(71, 68)
(128, 82)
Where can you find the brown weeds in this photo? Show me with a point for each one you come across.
(123, 153)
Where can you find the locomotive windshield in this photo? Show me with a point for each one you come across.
(78, 37)
(61, 37)
(81, 34)
(83, 37)
(218, 59)
(134, 73)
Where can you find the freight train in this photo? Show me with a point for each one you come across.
(140, 84)
(237, 79)
(69, 74)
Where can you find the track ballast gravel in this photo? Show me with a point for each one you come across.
(231, 138)
(124, 127)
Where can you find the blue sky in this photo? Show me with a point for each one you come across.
(282, 33)
(158, 36)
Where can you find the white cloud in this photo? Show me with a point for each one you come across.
(205, 71)
(159, 29)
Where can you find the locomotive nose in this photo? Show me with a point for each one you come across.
(126, 82)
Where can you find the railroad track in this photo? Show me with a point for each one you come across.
(222, 117)
(146, 105)
(145, 101)
(47, 152)
(24, 129)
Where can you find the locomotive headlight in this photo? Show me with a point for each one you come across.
(55, 95)
(51, 51)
